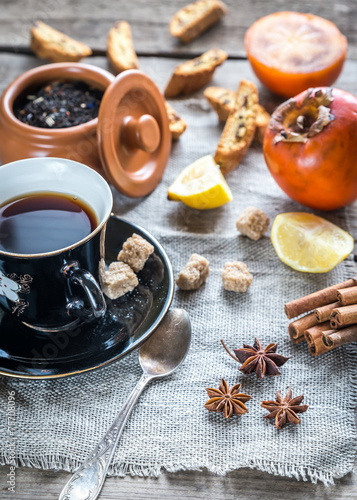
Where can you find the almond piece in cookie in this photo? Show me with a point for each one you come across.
(194, 74)
(48, 43)
(222, 101)
(176, 124)
(190, 21)
(239, 130)
(194, 274)
(120, 48)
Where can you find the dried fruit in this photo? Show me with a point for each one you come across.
(227, 401)
(284, 410)
(256, 359)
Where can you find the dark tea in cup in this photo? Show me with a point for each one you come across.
(44, 222)
(52, 225)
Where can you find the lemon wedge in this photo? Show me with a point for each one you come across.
(201, 185)
(309, 243)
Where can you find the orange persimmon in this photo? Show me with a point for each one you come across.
(290, 52)
(310, 147)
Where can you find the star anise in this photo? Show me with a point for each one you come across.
(256, 359)
(227, 401)
(284, 410)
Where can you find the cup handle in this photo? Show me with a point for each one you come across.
(95, 296)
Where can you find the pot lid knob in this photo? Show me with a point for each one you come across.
(133, 134)
(143, 133)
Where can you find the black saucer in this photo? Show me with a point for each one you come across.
(129, 321)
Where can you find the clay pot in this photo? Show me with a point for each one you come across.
(131, 151)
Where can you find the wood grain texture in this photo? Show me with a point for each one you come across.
(90, 21)
(244, 484)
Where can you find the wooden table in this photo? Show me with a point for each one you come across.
(89, 21)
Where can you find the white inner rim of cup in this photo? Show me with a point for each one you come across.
(56, 175)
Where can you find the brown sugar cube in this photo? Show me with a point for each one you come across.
(48, 43)
(118, 280)
(194, 274)
(190, 21)
(176, 124)
(239, 129)
(194, 74)
(253, 223)
(120, 48)
(236, 277)
(135, 252)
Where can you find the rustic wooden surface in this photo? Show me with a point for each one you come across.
(89, 21)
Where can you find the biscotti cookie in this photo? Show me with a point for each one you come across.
(262, 122)
(195, 18)
(222, 101)
(120, 48)
(194, 74)
(239, 130)
(176, 123)
(48, 43)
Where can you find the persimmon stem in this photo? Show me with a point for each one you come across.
(229, 352)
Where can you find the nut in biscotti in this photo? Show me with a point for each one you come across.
(135, 252)
(194, 274)
(236, 277)
(48, 43)
(239, 130)
(223, 100)
(176, 124)
(118, 280)
(253, 223)
(120, 48)
(194, 74)
(190, 21)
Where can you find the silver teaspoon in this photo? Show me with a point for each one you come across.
(159, 356)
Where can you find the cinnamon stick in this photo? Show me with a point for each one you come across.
(336, 338)
(343, 316)
(323, 313)
(296, 328)
(316, 299)
(347, 296)
(315, 332)
(318, 347)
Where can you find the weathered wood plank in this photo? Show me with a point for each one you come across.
(160, 69)
(243, 484)
(90, 20)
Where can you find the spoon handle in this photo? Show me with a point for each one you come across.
(87, 481)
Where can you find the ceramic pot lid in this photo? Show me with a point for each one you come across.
(133, 134)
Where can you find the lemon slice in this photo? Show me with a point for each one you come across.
(201, 185)
(309, 243)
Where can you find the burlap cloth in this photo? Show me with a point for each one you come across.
(58, 422)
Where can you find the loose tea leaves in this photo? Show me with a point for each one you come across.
(59, 105)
